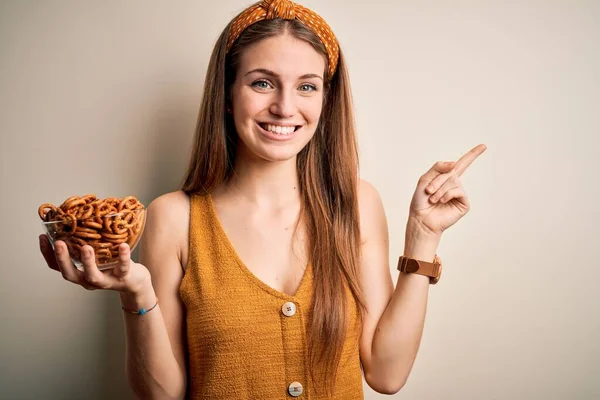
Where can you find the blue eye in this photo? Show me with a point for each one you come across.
(261, 84)
(308, 88)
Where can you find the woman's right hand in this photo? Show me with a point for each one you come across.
(127, 277)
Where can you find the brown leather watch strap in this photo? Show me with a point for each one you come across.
(431, 269)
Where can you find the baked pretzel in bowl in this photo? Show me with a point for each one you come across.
(101, 223)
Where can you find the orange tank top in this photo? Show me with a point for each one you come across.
(245, 339)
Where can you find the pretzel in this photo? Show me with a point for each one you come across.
(101, 224)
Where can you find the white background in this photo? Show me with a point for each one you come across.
(102, 97)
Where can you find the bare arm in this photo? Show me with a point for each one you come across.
(393, 327)
(156, 365)
(155, 341)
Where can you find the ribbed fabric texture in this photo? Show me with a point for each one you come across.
(240, 343)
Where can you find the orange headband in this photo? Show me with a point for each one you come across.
(285, 9)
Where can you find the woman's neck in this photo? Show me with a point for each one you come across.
(268, 185)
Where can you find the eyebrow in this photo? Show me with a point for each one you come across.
(273, 74)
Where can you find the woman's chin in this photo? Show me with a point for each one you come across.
(271, 153)
(278, 155)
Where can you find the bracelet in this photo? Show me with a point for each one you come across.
(141, 311)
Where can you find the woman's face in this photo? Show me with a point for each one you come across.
(277, 97)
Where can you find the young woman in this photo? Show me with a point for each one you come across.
(271, 264)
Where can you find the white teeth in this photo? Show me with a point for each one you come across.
(280, 130)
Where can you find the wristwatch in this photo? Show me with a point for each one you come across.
(431, 269)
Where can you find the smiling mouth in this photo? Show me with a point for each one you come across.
(279, 129)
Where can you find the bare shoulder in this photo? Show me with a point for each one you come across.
(169, 205)
(370, 206)
(367, 193)
(168, 223)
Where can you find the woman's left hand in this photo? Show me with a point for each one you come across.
(440, 200)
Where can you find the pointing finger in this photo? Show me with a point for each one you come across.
(463, 163)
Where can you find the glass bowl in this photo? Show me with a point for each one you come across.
(103, 233)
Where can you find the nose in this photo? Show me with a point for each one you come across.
(283, 105)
